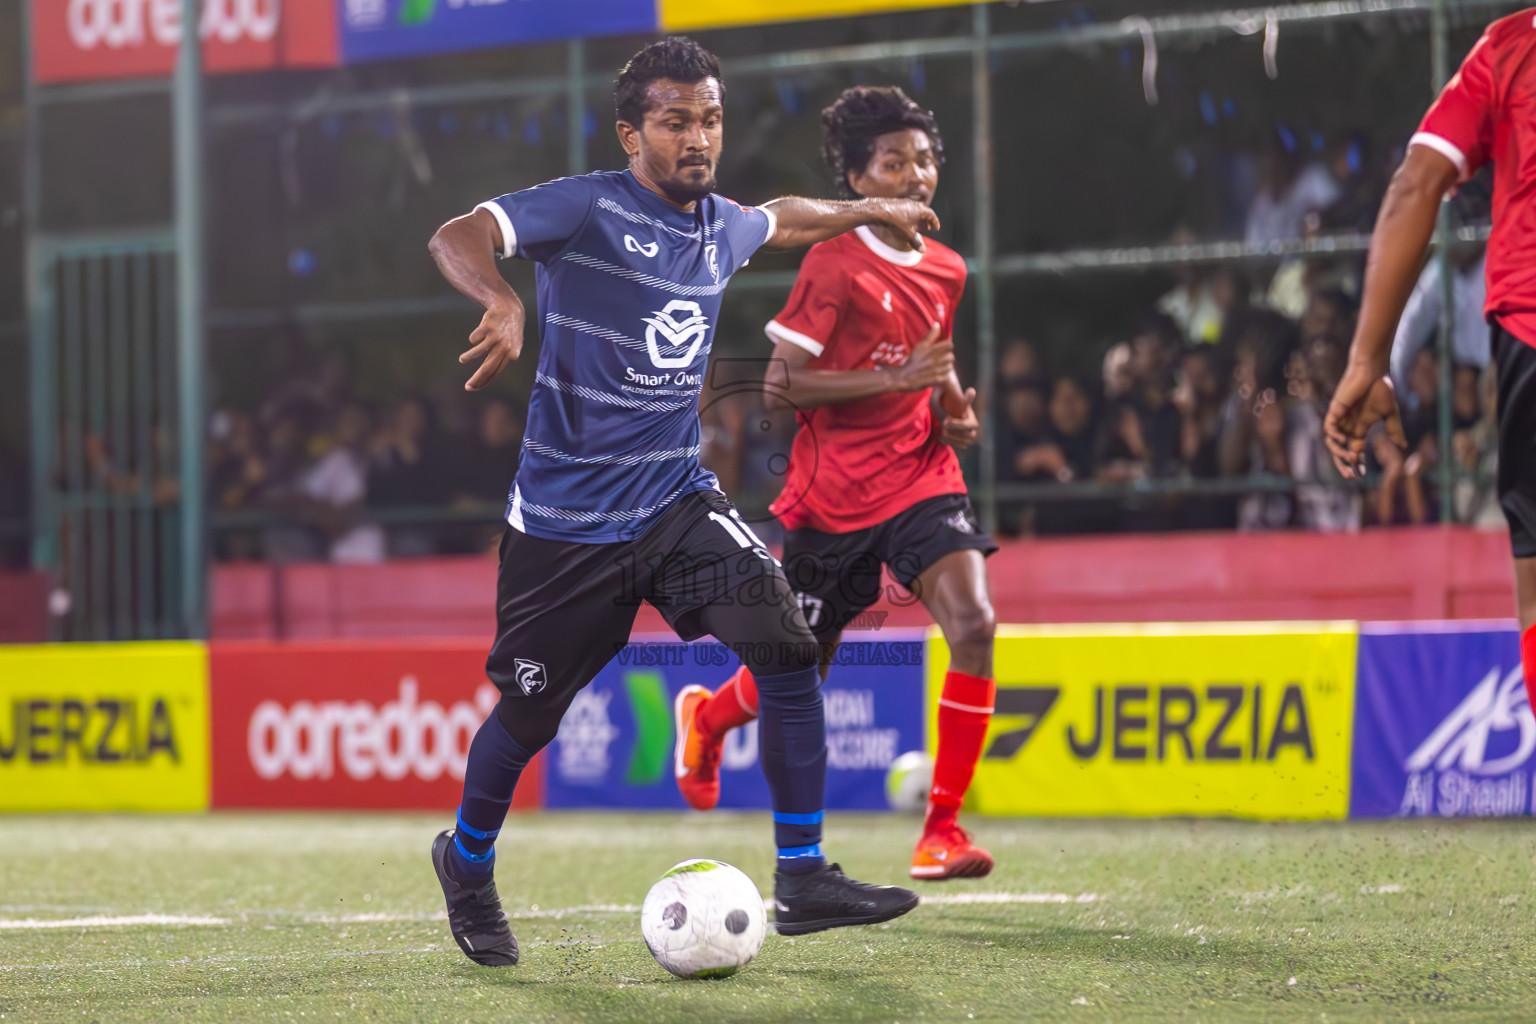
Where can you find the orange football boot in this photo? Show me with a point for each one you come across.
(696, 758)
(946, 851)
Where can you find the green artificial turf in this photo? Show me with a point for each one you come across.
(313, 917)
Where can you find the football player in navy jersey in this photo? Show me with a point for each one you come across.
(610, 505)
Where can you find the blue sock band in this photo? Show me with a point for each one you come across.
(792, 733)
(474, 858)
(473, 832)
(800, 852)
(496, 761)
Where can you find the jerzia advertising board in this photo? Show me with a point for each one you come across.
(104, 727)
(1245, 719)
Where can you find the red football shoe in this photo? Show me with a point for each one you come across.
(696, 759)
(946, 851)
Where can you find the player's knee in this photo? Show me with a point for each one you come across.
(972, 626)
(532, 727)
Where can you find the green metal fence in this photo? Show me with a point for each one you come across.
(104, 420)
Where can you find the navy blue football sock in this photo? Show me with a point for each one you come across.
(496, 761)
(793, 732)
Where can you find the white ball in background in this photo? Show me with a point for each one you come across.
(908, 781)
(703, 919)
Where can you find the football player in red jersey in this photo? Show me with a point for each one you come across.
(1486, 113)
(864, 354)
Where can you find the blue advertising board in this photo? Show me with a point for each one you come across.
(615, 744)
(389, 29)
(1443, 726)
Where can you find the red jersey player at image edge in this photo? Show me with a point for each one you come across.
(862, 353)
(1485, 114)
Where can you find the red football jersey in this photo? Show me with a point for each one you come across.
(859, 304)
(1488, 112)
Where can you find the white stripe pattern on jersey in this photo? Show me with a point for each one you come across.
(603, 397)
(649, 280)
(574, 516)
(639, 459)
(607, 334)
(710, 230)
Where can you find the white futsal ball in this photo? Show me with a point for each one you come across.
(703, 919)
(908, 781)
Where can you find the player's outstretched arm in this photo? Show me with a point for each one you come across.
(465, 251)
(793, 384)
(1403, 229)
(803, 222)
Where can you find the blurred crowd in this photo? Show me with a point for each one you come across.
(336, 478)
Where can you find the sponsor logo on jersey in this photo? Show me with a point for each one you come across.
(678, 326)
(530, 676)
(712, 258)
(647, 250)
(959, 523)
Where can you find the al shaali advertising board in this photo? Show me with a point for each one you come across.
(1444, 727)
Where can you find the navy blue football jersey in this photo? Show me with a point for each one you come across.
(629, 290)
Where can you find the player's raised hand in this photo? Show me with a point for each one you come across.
(929, 365)
(496, 342)
(1362, 400)
(908, 216)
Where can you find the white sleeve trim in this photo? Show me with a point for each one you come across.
(773, 224)
(778, 332)
(508, 235)
(1445, 147)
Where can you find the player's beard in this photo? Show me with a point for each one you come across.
(684, 190)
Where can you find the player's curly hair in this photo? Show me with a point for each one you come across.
(676, 57)
(850, 126)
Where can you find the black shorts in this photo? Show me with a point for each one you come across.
(837, 575)
(1516, 365)
(563, 610)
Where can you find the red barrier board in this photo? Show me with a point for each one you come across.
(84, 40)
(349, 725)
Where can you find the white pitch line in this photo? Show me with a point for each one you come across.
(190, 920)
(963, 898)
(127, 921)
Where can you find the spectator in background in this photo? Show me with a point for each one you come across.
(1253, 429)
(1290, 190)
(1140, 431)
(1025, 406)
(1019, 364)
(333, 492)
(406, 471)
(1421, 317)
(1200, 302)
(1204, 379)
(237, 471)
(481, 470)
(1322, 504)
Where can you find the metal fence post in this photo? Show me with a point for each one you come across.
(1444, 235)
(985, 281)
(187, 107)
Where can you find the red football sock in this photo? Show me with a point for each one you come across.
(965, 708)
(1528, 661)
(733, 705)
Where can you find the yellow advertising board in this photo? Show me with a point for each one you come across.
(689, 15)
(104, 727)
(1251, 720)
